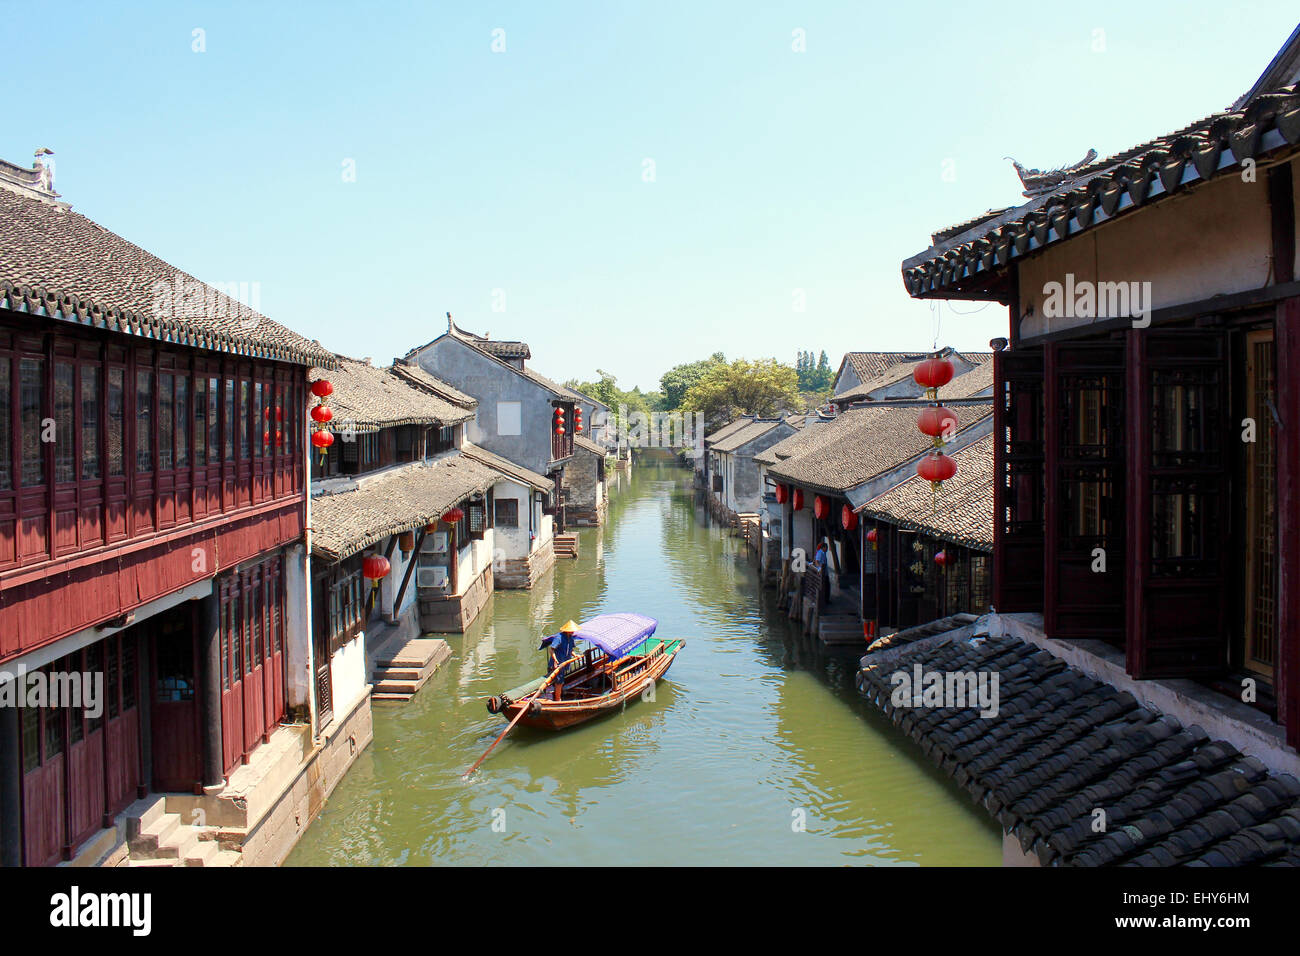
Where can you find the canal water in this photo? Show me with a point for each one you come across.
(755, 750)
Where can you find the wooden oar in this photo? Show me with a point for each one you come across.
(522, 710)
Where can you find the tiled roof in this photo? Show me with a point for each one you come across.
(864, 442)
(408, 498)
(903, 370)
(507, 467)
(1102, 190)
(56, 262)
(740, 436)
(1063, 744)
(962, 512)
(723, 431)
(871, 365)
(807, 438)
(418, 376)
(501, 348)
(586, 444)
(376, 397)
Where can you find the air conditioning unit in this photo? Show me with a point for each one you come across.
(435, 543)
(431, 578)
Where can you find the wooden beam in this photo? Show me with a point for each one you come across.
(410, 569)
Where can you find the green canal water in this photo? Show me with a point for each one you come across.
(755, 750)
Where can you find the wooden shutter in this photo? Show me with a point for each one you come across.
(1018, 490)
(1084, 421)
(1288, 468)
(1178, 488)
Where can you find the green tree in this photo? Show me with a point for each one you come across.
(764, 387)
(677, 381)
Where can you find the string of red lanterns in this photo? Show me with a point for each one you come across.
(374, 568)
(321, 416)
(936, 421)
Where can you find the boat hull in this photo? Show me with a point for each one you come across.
(550, 714)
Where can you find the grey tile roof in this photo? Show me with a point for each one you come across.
(389, 504)
(586, 444)
(419, 377)
(903, 370)
(1104, 189)
(962, 512)
(58, 261)
(807, 438)
(871, 365)
(377, 397)
(507, 467)
(1064, 744)
(724, 430)
(741, 436)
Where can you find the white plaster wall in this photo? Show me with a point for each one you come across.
(473, 558)
(1213, 240)
(545, 527)
(348, 674)
(513, 541)
(297, 616)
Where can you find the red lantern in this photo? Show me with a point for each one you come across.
(576, 428)
(559, 413)
(266, 437)
(322, 389)
(934, 420)
(782, 494)
(279, 437)
(322, 439)
(933, 373)
(821, 507)
(936, 468)
(848, 518)
(453, 515)
(798, 499)
(941, 558)
(559, 429)
(322, 414)
(872, 536)
(375, 568)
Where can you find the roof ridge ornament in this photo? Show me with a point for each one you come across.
(1038, 182)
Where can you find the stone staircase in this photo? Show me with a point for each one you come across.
(402, 667)
(566, 545)
(156, 837)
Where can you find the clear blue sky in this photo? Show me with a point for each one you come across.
(523, 170)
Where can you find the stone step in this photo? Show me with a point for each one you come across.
(397, 687)
(202, 854)
(400, 673)
(399, 698)
(143, 812)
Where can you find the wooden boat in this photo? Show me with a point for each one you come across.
(623, 659)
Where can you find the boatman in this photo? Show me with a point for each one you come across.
(560, 645)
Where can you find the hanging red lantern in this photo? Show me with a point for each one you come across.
(375, 568)
(322, 389)
(453, 515)
(559, 429)
(936, 468)
(798, 499)
(559, 413)
(782, 494)
(322, 438)
(941, 558)
(848, 518)
(266, 437)
(322, 414)
(821, 507)
(933, 373)
(872, 535)
(935, 420)
(578, 428)
(279, 437)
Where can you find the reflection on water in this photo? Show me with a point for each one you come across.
(754, 750)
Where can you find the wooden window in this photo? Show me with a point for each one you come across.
(260, 418)
(31, 733)
(200, 420)
(506, 512)
(225, 640)
(90, 408)
(182, 421)
(345, 602)
(115, 439)
(113, 679)
(95, 665)
(214, 419)
(65, 432)
(475, 519)
(229, 422)
(31, 385)
(166, 421)
(144, 420)
(245, 398)
(6, 424)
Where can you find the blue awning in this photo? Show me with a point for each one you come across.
(616, 634)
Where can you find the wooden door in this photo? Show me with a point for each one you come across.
(43, 744)
(1260, 566)
(122, 719)
(1084, 587)
(320, 650)
(232, 688)
(175, 709)
(254, 670)
(1178, 519)
(1018, 492)
(85, 762)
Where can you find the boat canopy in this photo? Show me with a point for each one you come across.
(616, 634)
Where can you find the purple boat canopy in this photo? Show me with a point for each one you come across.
(616, 634)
